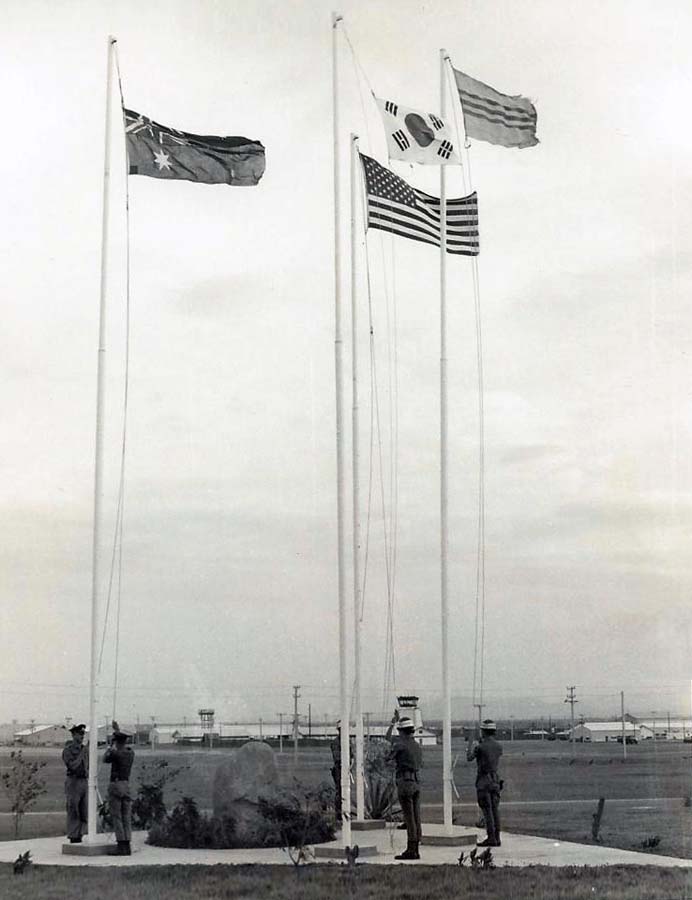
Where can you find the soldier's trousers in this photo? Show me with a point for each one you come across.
(76, 805)
(489, 802)
(408, 793)
(120, 806)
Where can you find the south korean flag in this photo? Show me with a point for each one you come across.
(417, 137)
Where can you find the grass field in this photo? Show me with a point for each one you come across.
(547, 792)
(341, 883)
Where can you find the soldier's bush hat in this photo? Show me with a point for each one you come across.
(405, 725)
(81, 728)
(488, 725)
(120, 736)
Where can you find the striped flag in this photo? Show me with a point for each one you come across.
(394, 206)
(494, 117)
(418, 137)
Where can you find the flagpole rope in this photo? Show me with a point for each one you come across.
(118, 532)
(479, 630)
(390, 531)
(389, 677)
(392, 345)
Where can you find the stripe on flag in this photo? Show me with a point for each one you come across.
(494, 117)
(402, 141)
(394, 206)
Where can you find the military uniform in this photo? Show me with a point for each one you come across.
(408, 758)
(335, 747)
(76, 759)
(120, 758)
(487, 753)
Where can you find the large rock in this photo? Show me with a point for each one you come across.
(239, 782)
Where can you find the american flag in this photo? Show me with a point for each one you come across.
(395, 206)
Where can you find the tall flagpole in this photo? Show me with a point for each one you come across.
(444, 453)
(98, 465)
(340, 493)
(360, 787)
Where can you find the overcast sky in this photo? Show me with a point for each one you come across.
(229, 542)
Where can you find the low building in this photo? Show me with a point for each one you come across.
(665, 729)
(604, 732)
(42, 736)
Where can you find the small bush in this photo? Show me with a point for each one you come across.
(187, 827)
(148, 806)
(23, 785)
(291, 820)
(297, 818)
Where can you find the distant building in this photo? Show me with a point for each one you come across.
(603, 732)
(665, 729)
(42, 736)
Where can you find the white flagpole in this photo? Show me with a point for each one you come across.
(444, 452)
(360, 787)
(98, 466)
(340, 493)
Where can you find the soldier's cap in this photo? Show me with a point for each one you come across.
(405, 725)
(78, 728)
(120, 737)
(488, 725)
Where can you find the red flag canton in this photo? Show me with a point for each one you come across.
(163, 152)
(394, 206)
(494, 117)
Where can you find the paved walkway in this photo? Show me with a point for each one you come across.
(516, 850)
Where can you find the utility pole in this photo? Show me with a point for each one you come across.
(571, 699)
(480, 712)
(367, 727)
(622, 716)
(281, 732)
(309, 719)
(511, 728)
(260, 728)
(296, 688)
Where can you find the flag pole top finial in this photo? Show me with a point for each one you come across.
(336, 18)
(112, 39)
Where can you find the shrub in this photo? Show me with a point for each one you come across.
(380, 787)
(23, 786)
(149, 806)
(297, 817)
(290, 820)
(187, 827)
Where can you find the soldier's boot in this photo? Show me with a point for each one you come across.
(411, 851)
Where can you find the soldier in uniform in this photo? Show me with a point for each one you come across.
(121, 757)
(487, 752)
(335, 747)
(76, 759)
(408, 758)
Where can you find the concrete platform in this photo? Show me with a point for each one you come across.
(101, 847)
(516, 850)
(439, 836)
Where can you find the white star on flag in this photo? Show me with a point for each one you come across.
(162, 160)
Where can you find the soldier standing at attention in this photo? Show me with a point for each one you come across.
(76, 759)
(335, 747)
(121, 757)
(487, 752)
(408, 758)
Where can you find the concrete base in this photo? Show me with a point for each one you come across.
(99, 848)
(336, 851)
(438, 836)
(368, 825)
(449, 840)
